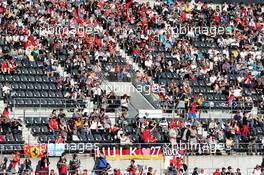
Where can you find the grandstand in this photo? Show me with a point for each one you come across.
(87, 87)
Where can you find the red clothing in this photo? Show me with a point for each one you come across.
(248, 79)
(245, 131)
(147, 137)
(172, 124)
(133, 171)
(216, 173)
(63, 169)
(12, 67)
(193, 108)
(43, 171)
(53, 124)
(5, 114)
(4, 67)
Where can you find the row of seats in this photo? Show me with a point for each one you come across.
(29, 64)
(42, 102)
(28, 71)
(13, 139)
(36, 94)
(26, 78)
(32, 86)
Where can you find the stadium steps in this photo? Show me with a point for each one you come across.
(137, 100)
(27, 136)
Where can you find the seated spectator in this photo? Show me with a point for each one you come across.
(15, 127)
(53, 126)
(5, 113)
(124, 102)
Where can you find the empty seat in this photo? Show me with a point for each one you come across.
(44, 120)
(37, 121)
(35, 130)
(28, 121)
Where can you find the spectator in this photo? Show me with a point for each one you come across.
(5, 113)
(217, 172)
(202, 172)
(53, 125)
(3, 166)
(25, 167)
(230, 171)
(52, 172)
(132, 169)
(151, 171)
(117, 172)
(43, 166)
(6, 92)
(257, 170)
(101, 165)
(61, 164)
(124, 102)
(195, 171)
(223, 172)
(75, 164)
(238, 172)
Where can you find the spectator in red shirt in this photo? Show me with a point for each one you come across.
(53, 126)
(217, 172)
(132, 169)
(12, 66)
(192, 111)
(5, 113)
(147, 136)
(4, 67)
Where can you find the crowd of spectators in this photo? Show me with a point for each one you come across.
(152, 36)
(16, 164)
(244, 132)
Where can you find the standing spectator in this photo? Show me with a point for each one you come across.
(151, 171)
(217, 172)
(223, 172)
(132, 169)
(52, 172)
(257, 170)
(238, 172)
(43, 166)
(195, 171)
(61, 164)
(192, 110)
(63, 168)
(117, 172)
(172, 170)
(84, 172)
(101, 165)
(202, 172)
(25, 167)
(74, 165)
(229, 171)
